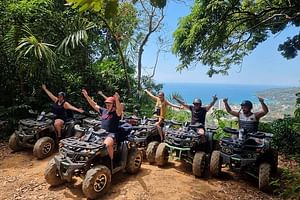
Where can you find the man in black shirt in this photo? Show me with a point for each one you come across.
(198, 111)
(110, 117)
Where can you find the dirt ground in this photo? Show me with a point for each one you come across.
(22, 177)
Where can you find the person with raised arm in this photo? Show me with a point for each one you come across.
(61, 108)
(247, 119)
(198, 111)
(160, 109)
(110, 117)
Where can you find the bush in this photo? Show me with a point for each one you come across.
(286, 135)
(288, 184)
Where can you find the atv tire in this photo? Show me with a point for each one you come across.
(44, 147)
(162, 155)
(13, 143)
(199, 164)
(52, 174)
(151, 151)
(134, 161)
(215, 164)
(96, 182)
(264, 176)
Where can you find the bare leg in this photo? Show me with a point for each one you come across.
(58, 123)
(201, 132)
(160, 132)
(109, 142)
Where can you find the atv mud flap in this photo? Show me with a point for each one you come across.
(66, 167)
(235, 162)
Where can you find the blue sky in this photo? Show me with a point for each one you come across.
(265, 66)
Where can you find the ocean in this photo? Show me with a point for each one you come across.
(235, 93)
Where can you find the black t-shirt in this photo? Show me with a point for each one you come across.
(61, 112)
(198, 116)
(110, 120)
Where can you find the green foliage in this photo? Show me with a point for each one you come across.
(179, 116)
(158, 3)
(32, 30)
(288, 185)
(286, 135)
(77, 37)
(222, 122)
(221, 33)
(38, 50)
(107, 7)
(297, 110)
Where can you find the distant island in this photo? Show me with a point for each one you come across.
(281, 101)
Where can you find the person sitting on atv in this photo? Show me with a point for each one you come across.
(160, 109)
(247, 119)
(62, 109)
(110, 117)
(198, 111)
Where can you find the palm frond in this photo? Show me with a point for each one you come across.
(30, 44)
(78, 37)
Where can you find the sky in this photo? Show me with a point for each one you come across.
(264, 66)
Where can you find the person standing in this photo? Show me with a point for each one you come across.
(160, 109)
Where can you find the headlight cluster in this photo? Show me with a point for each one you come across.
(76, 156)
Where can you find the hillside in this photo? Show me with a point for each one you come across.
(281, 101)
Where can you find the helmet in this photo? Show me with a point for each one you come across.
(62, 94)
(197, 101)
(247, 103)
(110, 100)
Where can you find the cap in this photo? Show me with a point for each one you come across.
(247, 103)
(110, 100)
(197, 101)
(62, 94)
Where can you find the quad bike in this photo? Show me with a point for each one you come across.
(188, 145)
(91, 120)
(147, 137)
(39, 134)
(87, 157)
(251, 153)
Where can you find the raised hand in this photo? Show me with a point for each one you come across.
(215, 98)
(100, 92)
(261, 99)
(225, 100)
(44, 87)
(84, 92)
(117, 96)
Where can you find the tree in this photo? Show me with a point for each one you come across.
(220, 33)
(150, 21)
(151, 16)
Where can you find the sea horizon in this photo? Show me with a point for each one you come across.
(235, 93)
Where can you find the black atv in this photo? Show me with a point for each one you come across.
(251, 153)
(146, 135)
(87, 158)
(39, 134)
(188, 145)
(91, 120)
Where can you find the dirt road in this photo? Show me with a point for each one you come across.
(22, 177)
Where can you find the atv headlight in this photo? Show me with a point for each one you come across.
(81, 158)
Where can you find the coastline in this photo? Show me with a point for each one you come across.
(280, 99)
